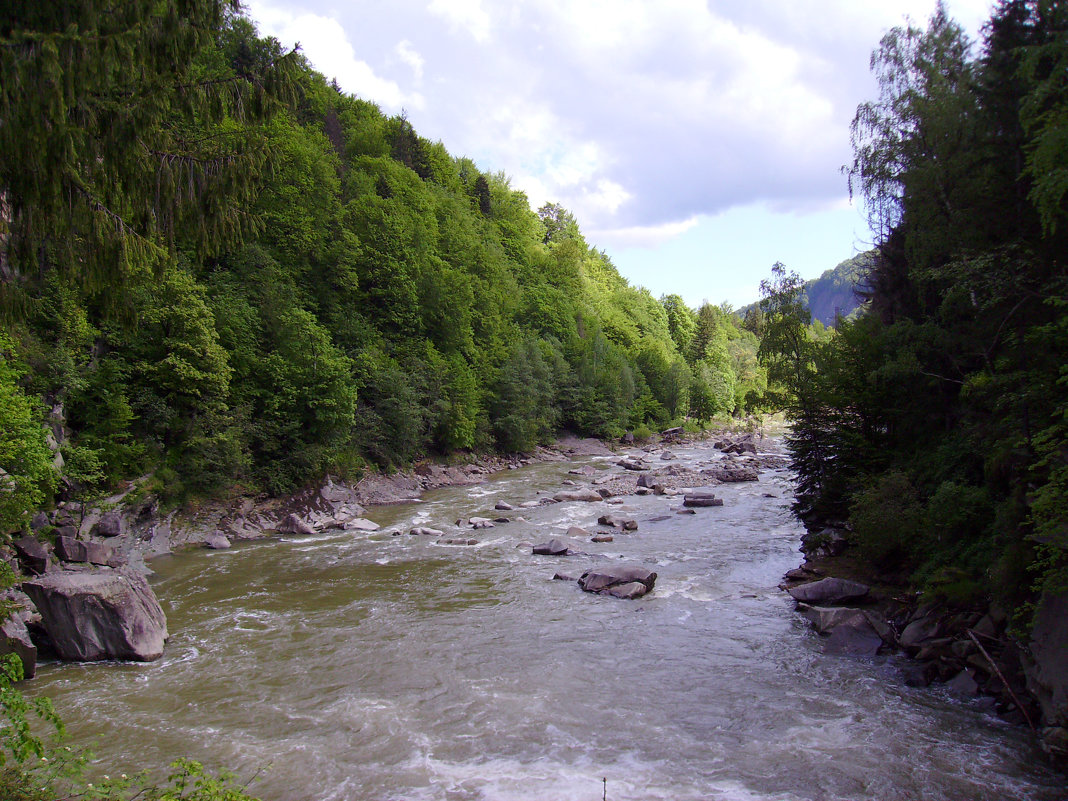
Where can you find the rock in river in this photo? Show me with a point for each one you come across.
(829, 591)
(100, 614)
(619, 581)
(587, 495)
(554, 547)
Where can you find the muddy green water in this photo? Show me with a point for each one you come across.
(389, 667)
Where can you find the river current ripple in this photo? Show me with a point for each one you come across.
(374, 667)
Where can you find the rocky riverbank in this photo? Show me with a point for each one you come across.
(971, 649)
(85, 567)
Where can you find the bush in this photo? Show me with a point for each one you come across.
(887, 519)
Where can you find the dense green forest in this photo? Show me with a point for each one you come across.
(937, 421)
(218, 268)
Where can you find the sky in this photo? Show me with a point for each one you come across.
(697, 142)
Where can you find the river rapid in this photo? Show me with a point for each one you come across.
(351, 668)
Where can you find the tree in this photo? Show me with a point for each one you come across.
(120, 138)
(26, 472)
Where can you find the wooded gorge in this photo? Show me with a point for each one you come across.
(220, 269)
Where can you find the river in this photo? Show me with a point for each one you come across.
(351, 668)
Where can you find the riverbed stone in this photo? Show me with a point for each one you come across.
(100, 614)
(587, 495)
(602, 538)
(602, 578)
(920, 630)
(689, 500)
(360, 524)
(853, 635)
(628, 591)
(424, 531)
(829, 591)
(216, 542)
(503, 506)
(554, 547)
(458, 541)
(294, 525)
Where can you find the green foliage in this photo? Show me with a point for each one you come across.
(26, 473)
(937, 419)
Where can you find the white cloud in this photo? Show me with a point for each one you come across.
(325, 43)
(407, 54)
(464, 14)
(642, 236)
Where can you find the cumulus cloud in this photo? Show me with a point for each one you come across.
(639, 117)
(467, 15)
(325, 43)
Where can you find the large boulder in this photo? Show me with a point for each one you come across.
(15, 639)
(33, 555)
(829, 591)
(294, 525)
(95, 553)
(587, 495)
(100, 614)
(554, 547)
(111, 524)
(217, 541)
(1047, 675)
(618, 580)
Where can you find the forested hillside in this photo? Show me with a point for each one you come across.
(937, 422)
(839, 291)
(218, 268)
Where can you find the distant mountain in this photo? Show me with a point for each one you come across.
(834, 293)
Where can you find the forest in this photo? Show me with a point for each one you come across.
(936, 422)
(219, 270)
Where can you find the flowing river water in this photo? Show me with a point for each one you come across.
(353, 668)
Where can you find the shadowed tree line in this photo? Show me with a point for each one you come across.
(937, 421)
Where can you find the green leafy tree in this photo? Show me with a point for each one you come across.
(26, 472)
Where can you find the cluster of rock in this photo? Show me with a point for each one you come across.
(83, 602)
(969, 650)
(628, 582)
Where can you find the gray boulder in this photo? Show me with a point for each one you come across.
(294, 525)
(698, 501)
(853, 635)
(628, 591)
(40, 520)
(110, 524)
(503, 506)
(95, 553)
(554, 547)
(588, 495)
(602, 579)
(216, 542)
(1047, 671)
(15, 639)
(426, 532)
(360, 524)
(829, 591)
(100, 614)
(919, 631)
(33, 555)
(632, 464)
